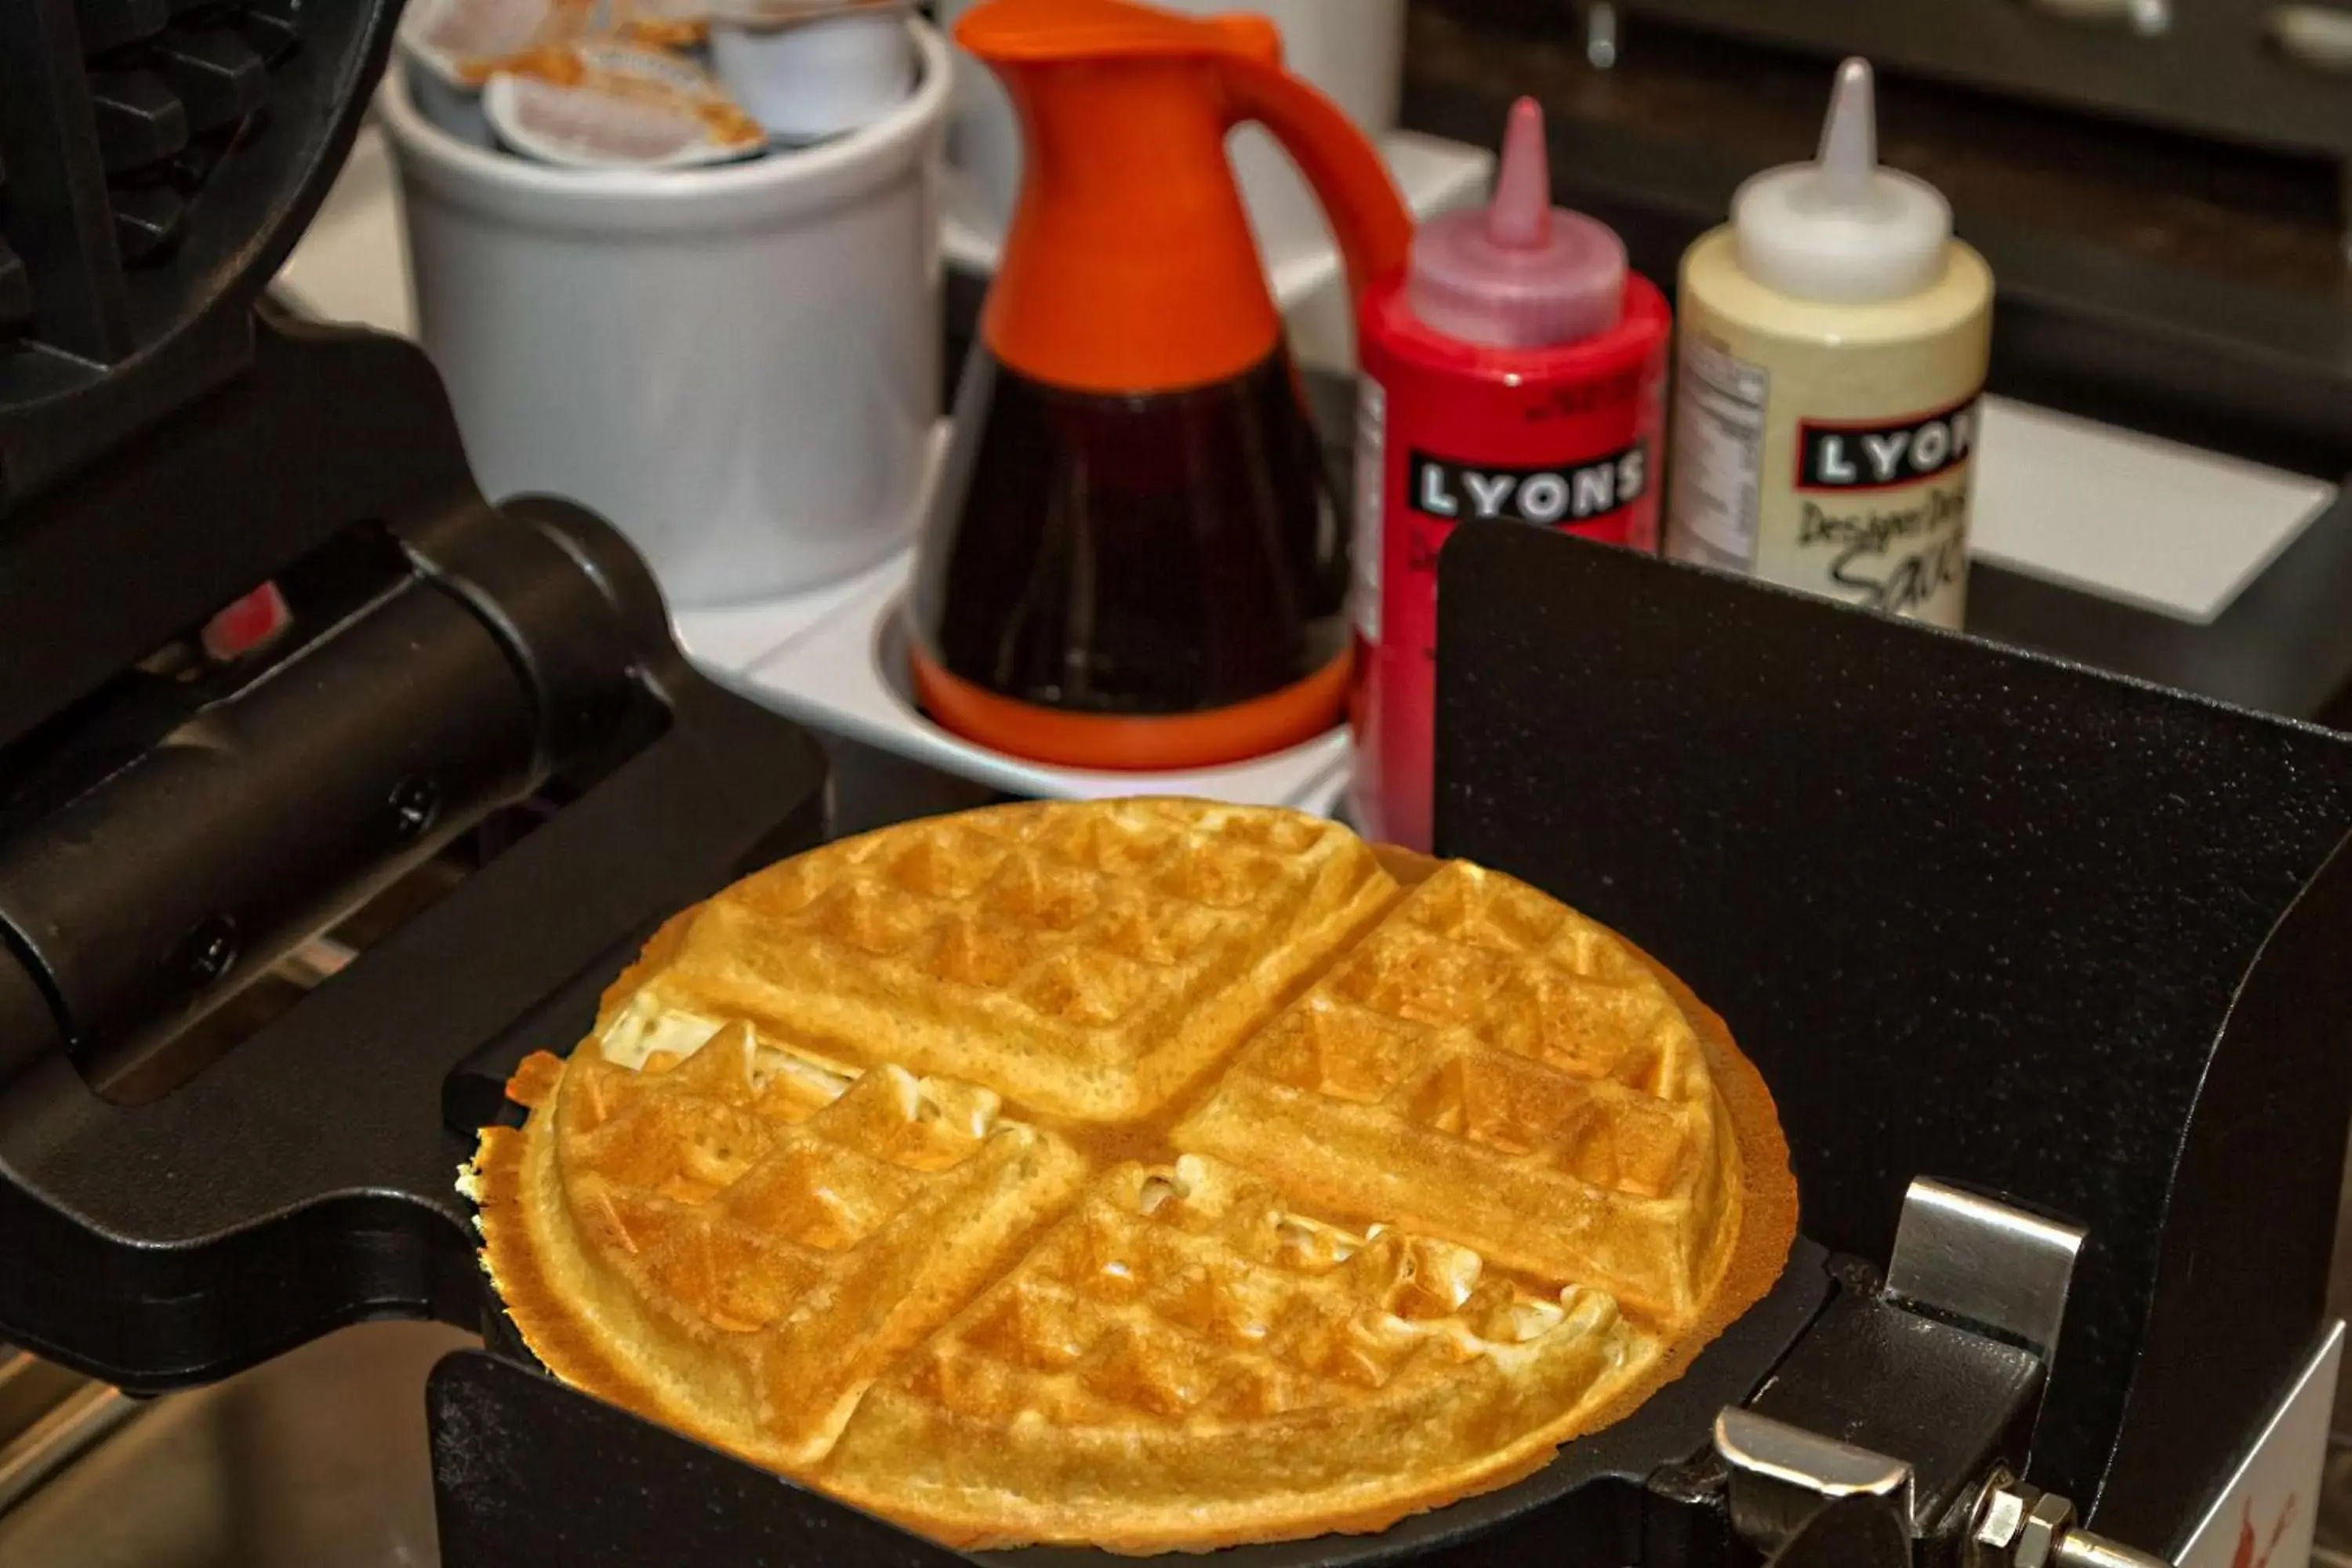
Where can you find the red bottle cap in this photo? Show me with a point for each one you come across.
(1521, 273)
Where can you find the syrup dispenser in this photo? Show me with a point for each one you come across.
(1135, 561)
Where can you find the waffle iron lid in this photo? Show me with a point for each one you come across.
(158, 159)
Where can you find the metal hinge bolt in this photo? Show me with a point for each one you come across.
(2021, 1526)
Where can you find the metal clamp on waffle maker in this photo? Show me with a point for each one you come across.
(2047, 972)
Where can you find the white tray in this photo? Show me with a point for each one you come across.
(835, 659)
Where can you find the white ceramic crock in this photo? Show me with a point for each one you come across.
(738, 365)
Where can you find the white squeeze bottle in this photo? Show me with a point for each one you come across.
(1832, 339)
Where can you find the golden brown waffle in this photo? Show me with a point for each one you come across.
(1310, 1199)
(764, 1233)
(1180, 1330)
(1493, 1063)
(1084, 961)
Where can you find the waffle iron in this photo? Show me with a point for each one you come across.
(2047, 970)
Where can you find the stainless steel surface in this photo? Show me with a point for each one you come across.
(318, 960)
(2331, 1538)
(2208, 68)
(2147, 17)
(318, 1459)
(2114, 11)
(1984, 1262)
(2339, 1305)
(2344, 178)
(1600, 35)
(29, 1389)
(1781, 1476)
(2317, 36)
(79, 1423)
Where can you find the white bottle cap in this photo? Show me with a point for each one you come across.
(1842, 229)
(810, 79)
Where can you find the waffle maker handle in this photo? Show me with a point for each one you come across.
(306, 1178)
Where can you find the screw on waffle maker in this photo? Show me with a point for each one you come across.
(1974, 913)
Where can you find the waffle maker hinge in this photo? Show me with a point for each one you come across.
(1894, 1436)
(149, 874)
(197, 1171)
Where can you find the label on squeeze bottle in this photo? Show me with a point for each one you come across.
(1718, 453)
(1372, 474)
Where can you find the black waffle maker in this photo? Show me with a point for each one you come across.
(2051, 974)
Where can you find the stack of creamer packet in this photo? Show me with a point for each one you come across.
(654, 84)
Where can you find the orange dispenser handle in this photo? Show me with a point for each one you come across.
(1357, 193)
(1128, 267)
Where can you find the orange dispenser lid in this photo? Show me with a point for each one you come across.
(1128, 265)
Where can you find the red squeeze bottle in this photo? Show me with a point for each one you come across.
(1515, 374)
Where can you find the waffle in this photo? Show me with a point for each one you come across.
(1083, 961)
(1182, 1328)
(1491, 1062)
(1147, 1173)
